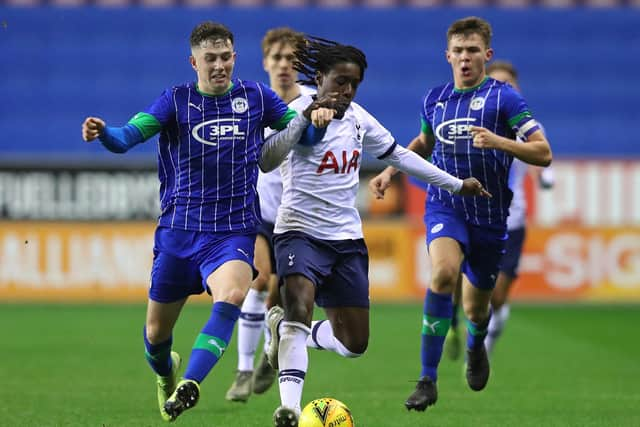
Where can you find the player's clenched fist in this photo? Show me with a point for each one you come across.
(325, 108)
(379, 184)
(322, 117)
(483, 138)
(473, 187)
(92, 128)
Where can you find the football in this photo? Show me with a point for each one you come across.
(326, 412)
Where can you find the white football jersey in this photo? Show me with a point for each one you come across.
(270, 183)
(320, 182)
(270, 193)
(518, 209)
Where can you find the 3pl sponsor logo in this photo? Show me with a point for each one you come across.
(212, 132)
(452, 130)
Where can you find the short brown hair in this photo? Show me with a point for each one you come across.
(209, 30)
(284, 35)
(471, 25)
(505, 66)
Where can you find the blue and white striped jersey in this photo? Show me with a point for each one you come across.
(208, 154)
(447, 114)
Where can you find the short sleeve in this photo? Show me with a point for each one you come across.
(276, 112)
(518, 114)
(426, 116)
(163, 108)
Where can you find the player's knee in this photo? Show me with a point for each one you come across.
(444, 279)
(476, 313)
(156, 334)
(233, 296)
(298, 311)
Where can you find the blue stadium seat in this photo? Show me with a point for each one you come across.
(113, 62)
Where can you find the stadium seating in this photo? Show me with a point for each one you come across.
(331, 3)
(112, 62)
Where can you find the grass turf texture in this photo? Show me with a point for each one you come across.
(83, 365)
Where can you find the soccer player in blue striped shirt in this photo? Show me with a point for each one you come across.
(516, 228)
(469, 126)
(211, 137)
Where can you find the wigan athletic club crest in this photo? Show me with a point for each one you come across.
(477, 103)
(239, 105)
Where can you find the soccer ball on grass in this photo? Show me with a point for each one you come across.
(326, 412)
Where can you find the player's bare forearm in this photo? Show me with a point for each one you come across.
(536, 151)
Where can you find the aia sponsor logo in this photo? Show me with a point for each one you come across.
(342, 163)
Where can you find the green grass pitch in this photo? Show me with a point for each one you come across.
(83, 365)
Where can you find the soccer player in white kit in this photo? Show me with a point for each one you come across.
(278, 46)
(320, 251)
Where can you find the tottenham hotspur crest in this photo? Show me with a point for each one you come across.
(358, 132)
(239, 105)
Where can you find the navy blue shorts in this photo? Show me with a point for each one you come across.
(338, 268)
(265, 229)
(483, 246)
(182, 260)
(513, 250)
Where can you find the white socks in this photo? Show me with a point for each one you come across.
(293, 358)
(496, 325)
(250, 327)
(322, 337)
(267, 336)
(293, 362)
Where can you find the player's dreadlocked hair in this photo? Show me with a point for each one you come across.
(314, 54)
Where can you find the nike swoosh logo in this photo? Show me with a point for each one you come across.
(197, 107)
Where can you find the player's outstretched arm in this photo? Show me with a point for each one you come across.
(414, 165)
(421, 144)
(116, 140)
